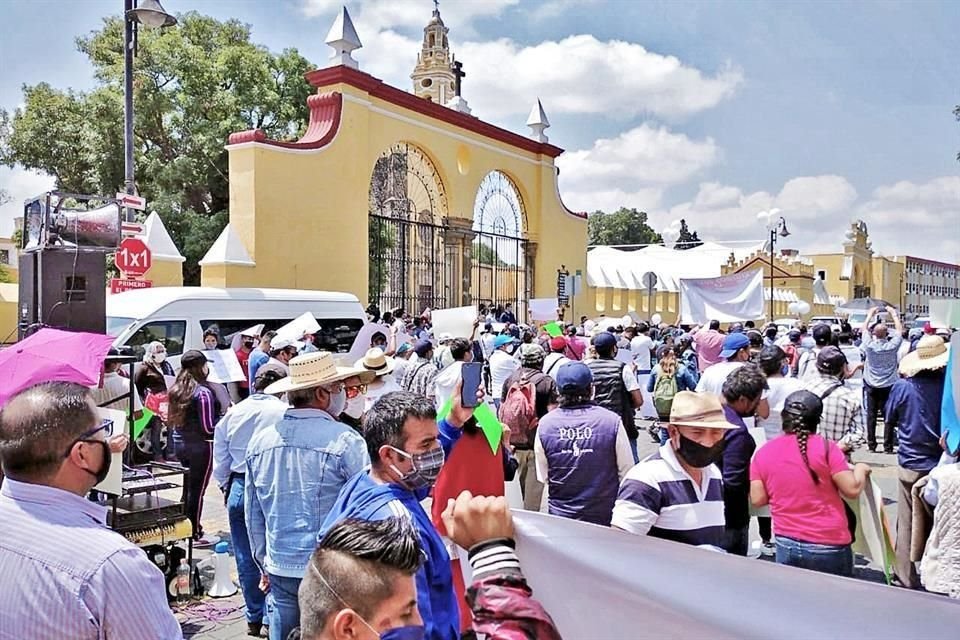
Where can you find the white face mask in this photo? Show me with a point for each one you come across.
(159, 357)
(338, 401)
(355, 406)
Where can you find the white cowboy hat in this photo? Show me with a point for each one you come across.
(376, 362)
(931, 353)
(316, 369)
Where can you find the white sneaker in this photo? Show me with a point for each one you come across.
(768, 549)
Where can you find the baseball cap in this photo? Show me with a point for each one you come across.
(278, 344)
(831, 360)
(501, 340)
(794, 335)
(403, 348)
(574, 376)
(423, 347)
(604, 340)
(804, 405)
(558, 344)
(193, 358)
(531, 353)
(733, 343)
(822, 333)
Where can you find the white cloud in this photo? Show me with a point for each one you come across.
(19, 184)
(633, 169)
(391, 14)
(554, 8)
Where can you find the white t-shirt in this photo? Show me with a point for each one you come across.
(630, 380)
(446, 381)
(641, 346)
(502, 365)
(807, 365)
(713, 378)
(552, 364)
(776, 394)
(381, 387)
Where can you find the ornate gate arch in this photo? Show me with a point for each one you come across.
(502, 265)
(408, 205)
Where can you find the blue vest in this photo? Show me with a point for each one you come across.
(581, 448)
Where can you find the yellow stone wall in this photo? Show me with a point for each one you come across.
(303, 215)
(888, 280)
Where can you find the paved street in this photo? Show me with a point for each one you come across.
(222, 619)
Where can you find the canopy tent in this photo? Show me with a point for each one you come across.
(618, 269)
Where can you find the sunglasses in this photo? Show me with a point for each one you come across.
(88, 436)
(355, 390)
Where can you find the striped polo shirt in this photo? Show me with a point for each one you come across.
(658, 498)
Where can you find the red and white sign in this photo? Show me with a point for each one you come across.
(125, 284)
(131, 201)
(131, 229)
(133, 257)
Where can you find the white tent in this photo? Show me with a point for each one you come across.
(618, 269)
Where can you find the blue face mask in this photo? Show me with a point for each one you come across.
(404, 633)
(785, 370)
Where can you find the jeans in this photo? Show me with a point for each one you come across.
(247, 569)
(736, 539)
(197, 456)
(826, 558)
(283, 606)
(633, 448)
(874, 400)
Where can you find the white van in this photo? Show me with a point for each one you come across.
(178, 316)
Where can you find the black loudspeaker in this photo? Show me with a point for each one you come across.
(62, 288)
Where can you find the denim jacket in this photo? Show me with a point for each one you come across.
(295, 470)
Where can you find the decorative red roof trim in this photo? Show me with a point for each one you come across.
(325, 110)
(378, 89)
(935, 262)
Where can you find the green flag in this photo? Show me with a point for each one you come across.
(489, 424)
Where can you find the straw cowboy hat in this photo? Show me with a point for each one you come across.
(376, 362)
(931, 353)
(316, 369)
(703, 410)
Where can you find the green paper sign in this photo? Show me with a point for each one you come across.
(553, 329)
(490, 425)
(446, 409)
(141, 424)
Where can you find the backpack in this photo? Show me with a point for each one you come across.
(518, 411)
(663, 391)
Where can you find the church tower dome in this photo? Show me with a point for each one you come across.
(433, 77)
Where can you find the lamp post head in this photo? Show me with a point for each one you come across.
(150, 13)
(783, 228)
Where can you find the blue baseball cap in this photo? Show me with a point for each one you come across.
(574, 376)
(604, 340)
(733, 343)
(501, 340)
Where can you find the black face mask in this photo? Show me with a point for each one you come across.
(699, 456)
(104, 470)
(248, 345)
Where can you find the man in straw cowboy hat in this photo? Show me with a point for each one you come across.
(294, 471)
(677, 493)
(913, 409)
(383, 367)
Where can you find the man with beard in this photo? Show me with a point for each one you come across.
(677, 493)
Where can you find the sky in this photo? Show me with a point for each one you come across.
(708, 111)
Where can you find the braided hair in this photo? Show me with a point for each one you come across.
(801, 416)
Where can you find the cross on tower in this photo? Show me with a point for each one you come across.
(458, 74)
(436, 5)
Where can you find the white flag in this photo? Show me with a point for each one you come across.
(728, 298)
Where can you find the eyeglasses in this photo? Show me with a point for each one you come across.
(355, 390)
(87, 436)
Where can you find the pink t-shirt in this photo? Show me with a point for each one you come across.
(803, 510)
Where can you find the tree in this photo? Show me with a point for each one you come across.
(624, 226)
(194, 85)
(487, 255)
(686, 239)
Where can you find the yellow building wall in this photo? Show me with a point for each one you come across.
(832, 264)
(303, 215)
(889, 280)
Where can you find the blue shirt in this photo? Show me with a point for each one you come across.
(233, 433)
(880, 360)
(735, 465)
(66, 575)
(295, 470)
(913, 409)
(257, 359)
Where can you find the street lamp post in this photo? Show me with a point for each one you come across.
(778, 227)
(149, 13)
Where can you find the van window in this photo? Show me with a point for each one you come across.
(170, 332)
(336, 334)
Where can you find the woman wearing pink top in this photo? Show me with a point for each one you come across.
(804, 478)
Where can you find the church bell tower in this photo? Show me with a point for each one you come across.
(433, 77)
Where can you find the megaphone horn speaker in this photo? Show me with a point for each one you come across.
(87, 228)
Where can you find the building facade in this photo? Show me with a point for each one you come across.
(924, 279)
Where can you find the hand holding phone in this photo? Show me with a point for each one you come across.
(472, 374)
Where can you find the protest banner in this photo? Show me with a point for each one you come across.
(112, 483)
(542, 309)
(298, 327)
(224, 366)
(728, 298)
(457, 322)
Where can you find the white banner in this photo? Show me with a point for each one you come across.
(543, 309)
(224, 366)
(728, 298)
(296, 328)
(598, 582)
(457, 322)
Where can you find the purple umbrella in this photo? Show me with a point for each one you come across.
(52, 355)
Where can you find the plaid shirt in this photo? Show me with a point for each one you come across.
(842, 419)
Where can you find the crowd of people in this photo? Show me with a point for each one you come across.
(349, 485)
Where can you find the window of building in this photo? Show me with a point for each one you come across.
(4, 256)
(426, 82)
(822, 275)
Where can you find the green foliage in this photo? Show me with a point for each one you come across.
(194, 85)
(381, 238)
(624, 226)
(687, 239)
(5, 274)
(485, 254)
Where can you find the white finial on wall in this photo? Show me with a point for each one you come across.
(343, 38)
(538, 123)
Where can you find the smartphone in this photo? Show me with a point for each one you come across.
(472, 374)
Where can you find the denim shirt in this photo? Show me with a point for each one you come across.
(295, 470)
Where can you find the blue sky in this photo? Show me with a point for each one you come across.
(710, 111)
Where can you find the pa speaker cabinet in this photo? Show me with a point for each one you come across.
(63, 288)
